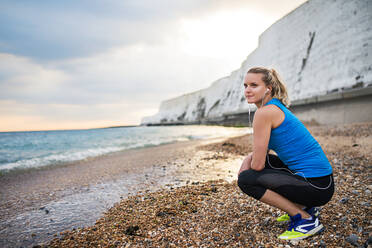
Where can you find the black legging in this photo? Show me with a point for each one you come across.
(293, 187)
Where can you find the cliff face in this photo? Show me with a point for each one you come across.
(319, 48)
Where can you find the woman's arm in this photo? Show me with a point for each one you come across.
(262, 124)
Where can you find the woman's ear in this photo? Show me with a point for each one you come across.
(269, 89)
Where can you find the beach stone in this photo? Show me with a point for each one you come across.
(355, 192)
(368, 192)
(322, 244)
(266, 221)
(352, 239)
(343, 219)
(344, 200)
(368, 242)
(131, 230)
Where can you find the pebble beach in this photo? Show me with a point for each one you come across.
(216, 214)
(190, 197)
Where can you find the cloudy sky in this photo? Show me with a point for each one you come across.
(84, 64)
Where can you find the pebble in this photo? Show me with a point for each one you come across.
(322, 244)
(368, 242)
(266, 221)
(344, 200)
(352, 239)
(368, 192)
(343, 219)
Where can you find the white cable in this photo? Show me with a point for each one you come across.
(267, 156)
(330, 177)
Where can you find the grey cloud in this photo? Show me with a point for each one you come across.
(49, 30)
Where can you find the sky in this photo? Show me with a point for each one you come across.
(87, 64)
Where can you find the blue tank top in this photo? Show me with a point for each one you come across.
(296, 147)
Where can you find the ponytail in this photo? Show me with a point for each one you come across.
(271, 78)
(279, 88)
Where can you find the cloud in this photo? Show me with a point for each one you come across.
(22, 78)
(20, 116)
(114, 61)
(51, 30)
(117, 87)
(132, 73)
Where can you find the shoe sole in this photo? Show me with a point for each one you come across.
(316, 230)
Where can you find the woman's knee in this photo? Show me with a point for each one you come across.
(247, 182)
(247, 178)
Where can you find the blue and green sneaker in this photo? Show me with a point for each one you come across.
(301, 228)
(285, 217)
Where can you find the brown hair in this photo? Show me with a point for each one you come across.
(271, 78)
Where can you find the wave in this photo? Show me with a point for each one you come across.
(71, 156)
(55, 148)
(57, 158)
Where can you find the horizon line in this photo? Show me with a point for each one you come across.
(69, 129)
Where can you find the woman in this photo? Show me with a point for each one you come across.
(300, 177)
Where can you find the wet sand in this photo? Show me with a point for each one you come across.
(36, 204)
(191, 210)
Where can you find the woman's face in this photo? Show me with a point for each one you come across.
(255, 88)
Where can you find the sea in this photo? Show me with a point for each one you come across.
(75, 208)
(35, 149)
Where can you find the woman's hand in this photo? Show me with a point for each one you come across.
(246, 165)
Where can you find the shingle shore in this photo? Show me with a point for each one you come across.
(217, 214)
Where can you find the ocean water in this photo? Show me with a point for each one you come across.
(25, 150)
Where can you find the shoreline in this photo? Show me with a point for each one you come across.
(96, 169)
(65, 157)
(53, 194)
(189, 167)
(16, 171)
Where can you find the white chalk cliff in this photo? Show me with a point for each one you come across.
(320, 47)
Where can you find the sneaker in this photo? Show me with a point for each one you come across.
(301, 228)
(285, 217)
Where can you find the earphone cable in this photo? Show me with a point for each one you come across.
(267, 156)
